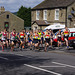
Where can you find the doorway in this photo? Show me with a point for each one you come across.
(6, 25)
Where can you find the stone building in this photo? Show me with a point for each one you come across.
(51, 12)
(10, 21)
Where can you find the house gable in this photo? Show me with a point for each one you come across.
(13, 21)
(7, 12)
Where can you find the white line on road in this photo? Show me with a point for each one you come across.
(52, 66)
(17, 54)
(4, 58)
(64, 64)
(42, 69)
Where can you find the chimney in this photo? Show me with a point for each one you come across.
(2, 9)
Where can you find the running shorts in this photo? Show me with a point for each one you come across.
(47, 40)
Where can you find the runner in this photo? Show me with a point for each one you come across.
(66, 36)
(0, 39)
(35, 39)
(30, 40)
(47, 39)
(51, 38)
(22, 39)
(16, 41)
(7, 38)
(39, 38)
(26, 37)
(42, 39)
(4, 39)
(59, 34)
(12, 39)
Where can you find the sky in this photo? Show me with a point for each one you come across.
(14, 5)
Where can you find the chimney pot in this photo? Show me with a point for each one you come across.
(2, 9)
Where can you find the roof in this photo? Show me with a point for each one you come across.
(1, 14)
(41, 22)
(53, 4)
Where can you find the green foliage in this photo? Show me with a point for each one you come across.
(25, 14)
(15, 13)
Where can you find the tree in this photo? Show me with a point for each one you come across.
(25, 14)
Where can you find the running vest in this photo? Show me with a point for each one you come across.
(0, 35)
(29, 39)
(36, 36)
(66, 33)
(4, 36)
(13, 36)
(16, 37)
(39, 35)
(22, 35)
(47, 35)
(59, 34)
(51, 35)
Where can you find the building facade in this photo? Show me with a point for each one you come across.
(10, 21)
(51, 12)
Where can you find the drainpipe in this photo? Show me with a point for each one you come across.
(66, 18)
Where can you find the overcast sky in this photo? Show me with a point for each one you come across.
(14, 5)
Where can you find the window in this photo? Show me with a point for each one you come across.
(37, 15)
(56, 14)
(73, 34)
(70, 34)
(7, 16)
(35, 27)
(45, 15)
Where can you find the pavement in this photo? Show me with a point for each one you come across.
(27, 62)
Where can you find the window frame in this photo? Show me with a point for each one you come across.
(56, 14)
(44, 15)
(37, 15)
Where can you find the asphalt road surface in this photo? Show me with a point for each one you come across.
(27, 62)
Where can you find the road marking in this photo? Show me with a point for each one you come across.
(64, 64)
(4, 58)
(52, 66)
(41, 69)
(19, 54)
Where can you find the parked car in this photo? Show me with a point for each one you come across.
(72, 39)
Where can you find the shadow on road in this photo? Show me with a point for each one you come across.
(15, 61)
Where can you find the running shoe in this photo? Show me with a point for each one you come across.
(67, 47)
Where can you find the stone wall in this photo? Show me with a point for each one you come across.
(71, 22)
(14, 22)
(51, 16)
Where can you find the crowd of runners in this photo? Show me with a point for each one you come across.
(32, 39)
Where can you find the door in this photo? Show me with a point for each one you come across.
(6, 25)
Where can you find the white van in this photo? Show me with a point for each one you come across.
(55, 27)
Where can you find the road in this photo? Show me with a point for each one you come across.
(27, 62)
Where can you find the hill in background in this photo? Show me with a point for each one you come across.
(15, 13)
